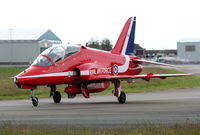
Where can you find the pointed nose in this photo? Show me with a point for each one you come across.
(29, 76)
(16, 82)
(22, 82)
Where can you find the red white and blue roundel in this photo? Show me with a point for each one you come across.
(115, 69)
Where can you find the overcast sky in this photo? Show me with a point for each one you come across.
(160, 23)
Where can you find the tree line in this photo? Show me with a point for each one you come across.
(104, 44)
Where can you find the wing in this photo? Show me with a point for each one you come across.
(148, 76)
(142, 76)
(152, 62)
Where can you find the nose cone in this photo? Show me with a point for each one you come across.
(24, 78)
(24, 73)
(15, 80)
(18, 79)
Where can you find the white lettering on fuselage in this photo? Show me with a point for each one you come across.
(100, 71)
(92, 72)
(104, 70)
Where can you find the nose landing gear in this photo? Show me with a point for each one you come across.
(34, 99)
(56, 96)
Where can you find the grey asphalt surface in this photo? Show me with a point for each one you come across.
(166, 107)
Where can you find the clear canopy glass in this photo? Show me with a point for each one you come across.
(42, 61)
(55, 54)
(71, 50)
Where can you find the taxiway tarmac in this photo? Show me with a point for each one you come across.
(165, 107)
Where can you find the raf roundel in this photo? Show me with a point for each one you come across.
(115, 69)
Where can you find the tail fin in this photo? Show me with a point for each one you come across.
(125, 42)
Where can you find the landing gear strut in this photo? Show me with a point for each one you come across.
(53, 89)
(121, 96)
(56, 94)
(34, 99)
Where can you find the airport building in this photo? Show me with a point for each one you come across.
(188, 50)
(21, 47)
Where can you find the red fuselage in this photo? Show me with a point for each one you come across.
(87, 63)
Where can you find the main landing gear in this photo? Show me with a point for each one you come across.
(56, 96)
(121, 96)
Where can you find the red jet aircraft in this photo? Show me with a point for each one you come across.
(87, 70)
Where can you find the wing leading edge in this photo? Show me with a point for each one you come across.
(148, 76)
(142, 76)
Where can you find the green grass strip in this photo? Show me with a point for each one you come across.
(8, 90)
(188, 129)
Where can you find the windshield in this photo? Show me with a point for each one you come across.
(42, 61)
(55, 54)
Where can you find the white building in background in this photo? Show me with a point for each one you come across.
(189, 50)
(21, 47)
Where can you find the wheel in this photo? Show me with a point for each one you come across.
(35, 101)
(57, 97)
(122, 97)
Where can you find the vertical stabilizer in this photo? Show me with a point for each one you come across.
(125, 42)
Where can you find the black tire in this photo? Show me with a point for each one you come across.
(122, 97)
(57, 97)
(35, 101)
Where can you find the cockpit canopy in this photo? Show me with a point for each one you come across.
(55, 54)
